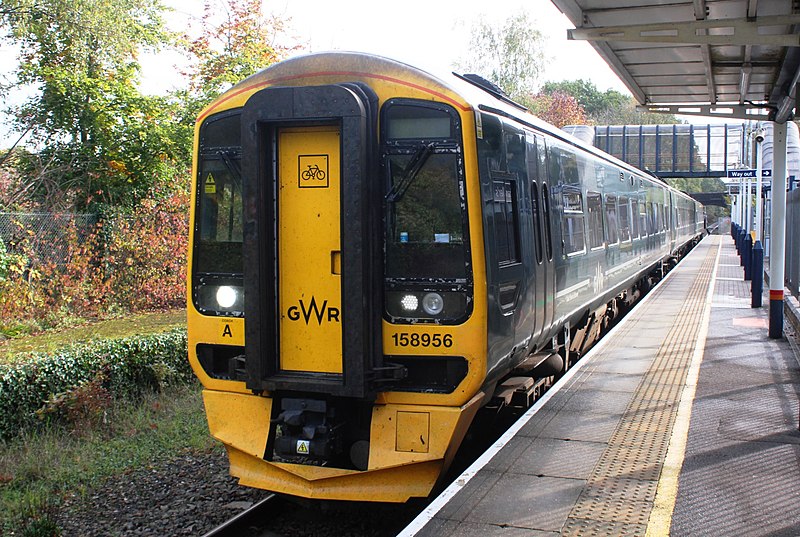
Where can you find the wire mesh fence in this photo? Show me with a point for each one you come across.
(46, 235)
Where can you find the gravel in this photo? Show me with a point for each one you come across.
(193, 494)
(188, 495)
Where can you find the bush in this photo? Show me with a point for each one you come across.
(131, 261)
(77, 378)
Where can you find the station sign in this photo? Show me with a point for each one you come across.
(745, 174)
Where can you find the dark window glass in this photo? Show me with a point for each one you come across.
(221, 132)
(635, 232)
(218, 240)
(548, 242)
(642, 218)
(409, 122)
(537, 222)
(595, 219)
(572, 223)
(624, 216)
(425, 235)
(218, 221)
(612, 225)
(505, 219)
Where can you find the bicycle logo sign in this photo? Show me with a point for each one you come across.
(313, 171)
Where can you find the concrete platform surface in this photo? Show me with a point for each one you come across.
(682, 421)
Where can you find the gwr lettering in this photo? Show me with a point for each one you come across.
(296, 312)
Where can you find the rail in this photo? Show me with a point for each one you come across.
(238, 525)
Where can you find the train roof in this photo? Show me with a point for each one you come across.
(329, 67)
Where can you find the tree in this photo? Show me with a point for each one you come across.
(510, 56)
(99, 137)
(610, 107)
(556, 108)
(243, 42)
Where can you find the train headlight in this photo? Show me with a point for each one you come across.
(220, 297)
(226, 296)
(427, 305)
(409, 303)
(433, 303)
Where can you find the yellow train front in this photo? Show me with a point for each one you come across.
(334, 321)
(375, 253)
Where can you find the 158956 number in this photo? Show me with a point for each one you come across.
(404, 339)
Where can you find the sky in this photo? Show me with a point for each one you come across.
(429, 34)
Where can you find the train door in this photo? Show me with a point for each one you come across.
(309, 250)
(312, 241)
(538, 266)
(547, 272)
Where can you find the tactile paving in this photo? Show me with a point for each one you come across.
(619, 494)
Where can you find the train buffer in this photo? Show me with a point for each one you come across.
(682, 421)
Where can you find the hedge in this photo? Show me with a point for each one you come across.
(129, 367)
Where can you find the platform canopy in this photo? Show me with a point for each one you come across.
(726, 58)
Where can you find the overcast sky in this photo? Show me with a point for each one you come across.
(430, 34)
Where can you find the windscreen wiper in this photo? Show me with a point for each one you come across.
(233, 166)
(410, 172)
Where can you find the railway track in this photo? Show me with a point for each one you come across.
(248, 520)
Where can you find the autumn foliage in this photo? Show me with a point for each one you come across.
(557, 108)
(129, 262)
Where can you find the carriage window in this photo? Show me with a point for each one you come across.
(505, 221)
(537, 223)
(635, 231)
(624, 216)
(548, 240)
(643, 219)
(572, 226)
(611, 220)
(595, 219)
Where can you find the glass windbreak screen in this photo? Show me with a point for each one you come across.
(218, 242)
(425, 235)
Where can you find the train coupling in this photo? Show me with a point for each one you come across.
(306, 429)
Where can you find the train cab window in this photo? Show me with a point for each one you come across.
(624, 216)
(218, 238)
(537, 222)
(506, 224)
(424, 204)
(594, 213)
(572, 223)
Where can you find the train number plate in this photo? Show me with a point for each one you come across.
(404, 339)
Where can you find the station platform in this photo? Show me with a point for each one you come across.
(683, 421)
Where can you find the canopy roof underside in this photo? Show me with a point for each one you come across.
(728, 58)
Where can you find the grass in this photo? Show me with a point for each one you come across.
(37, 470)
(50, 341)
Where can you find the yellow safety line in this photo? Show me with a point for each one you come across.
(667, 491)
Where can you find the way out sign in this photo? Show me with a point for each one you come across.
(747, 174)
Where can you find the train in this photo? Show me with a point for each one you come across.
(377, 253)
